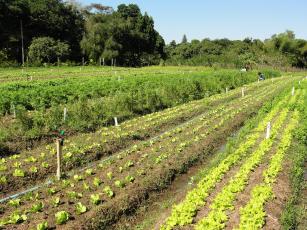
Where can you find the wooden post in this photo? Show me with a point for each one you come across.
(59, 158)
(65, 114)
(103, 61)
(82, 61)
(112, 62)
(31, 78)
(292, 93)
(58, 62)
(115, 121)
(243, 92)
(226, 89)
(258, 80)
(268, 130)
(100, 61)
(299, 82)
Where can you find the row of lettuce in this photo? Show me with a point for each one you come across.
(184, 213)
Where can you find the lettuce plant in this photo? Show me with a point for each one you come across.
(61, 217)
(95, 199)
(37, 207)
(42, 226)
(18, 173)
(80, 208)
(108, 191)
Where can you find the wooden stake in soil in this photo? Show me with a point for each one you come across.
(115, 121)
(292, 93)
(268, 130)
(59, 147)
(243, 92)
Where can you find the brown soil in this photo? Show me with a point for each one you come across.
(282, 191)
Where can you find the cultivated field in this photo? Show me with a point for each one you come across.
(165, 150)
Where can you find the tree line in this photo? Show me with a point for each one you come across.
(280, 50)
(53, 32)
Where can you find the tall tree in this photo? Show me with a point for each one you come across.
(52, 18)
(184, 39)
(125, 35)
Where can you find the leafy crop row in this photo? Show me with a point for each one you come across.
(224, 200)
(252, 215)
(183, 213)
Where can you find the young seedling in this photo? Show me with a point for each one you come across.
(130, 178)
(80, 208)
(14, 203)
(37, 207)
(109, 175)
(78, 177)
(42, 226)
(61, 217)
(33, 169)
(51, 191)
(97, 182)
(16, 218)
(95, 199)
(86, 186)
(108, 191)
(45, 165)
(89, 172)
(18, 173)
(119, 184)
(56, 201)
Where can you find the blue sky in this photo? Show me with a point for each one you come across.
(233, 19)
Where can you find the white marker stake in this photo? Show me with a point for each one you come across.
(31, 78)
(243, 92)
(14, 111)
(258, 80)
(226, 90)
(268, 130)
(292, 93)
(299, 82)
(59, 158)
(115, 121)
(65, 114)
